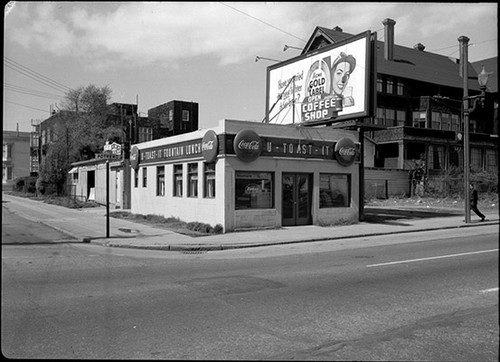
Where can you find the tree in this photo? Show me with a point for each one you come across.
(81, 132)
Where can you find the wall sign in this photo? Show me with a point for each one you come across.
(134, 158)
(209, 146)
(176, 151)
(345, 151)
(247, 145)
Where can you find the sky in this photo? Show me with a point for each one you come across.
(150, 53)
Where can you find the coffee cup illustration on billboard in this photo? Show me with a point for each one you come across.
(318, 78)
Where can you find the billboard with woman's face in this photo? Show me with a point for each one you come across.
(329, 85)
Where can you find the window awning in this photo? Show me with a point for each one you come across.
(73, 170)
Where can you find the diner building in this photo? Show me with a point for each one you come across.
(244, 175)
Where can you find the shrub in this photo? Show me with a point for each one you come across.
(25, 184)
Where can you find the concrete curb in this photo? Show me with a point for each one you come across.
(220, 247)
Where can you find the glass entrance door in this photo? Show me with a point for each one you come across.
(296, 191)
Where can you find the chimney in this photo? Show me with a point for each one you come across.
(338, 28)
(389, 39)
(419, 46)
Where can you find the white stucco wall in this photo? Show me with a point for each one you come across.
(221, 209)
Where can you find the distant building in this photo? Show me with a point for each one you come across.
(174, 118)
(15, 157)
(87, 176)
(419, 103)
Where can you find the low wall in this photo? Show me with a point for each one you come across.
(381, 183)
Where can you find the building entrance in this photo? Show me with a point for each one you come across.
(296, 191)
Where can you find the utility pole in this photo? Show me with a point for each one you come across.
(464, 43)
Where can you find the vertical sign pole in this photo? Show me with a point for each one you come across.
(107, 199)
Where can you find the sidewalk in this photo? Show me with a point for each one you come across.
(89, 225)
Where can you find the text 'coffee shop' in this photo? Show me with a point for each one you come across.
(249, 175)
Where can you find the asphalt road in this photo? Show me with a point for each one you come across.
(435, 298)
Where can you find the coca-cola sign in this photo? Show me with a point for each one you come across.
(134, 158)
(247, 145)
(209, 146)
(345, 151)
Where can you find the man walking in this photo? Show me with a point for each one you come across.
(473, 202)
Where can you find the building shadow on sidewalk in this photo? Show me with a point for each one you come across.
(376, 215)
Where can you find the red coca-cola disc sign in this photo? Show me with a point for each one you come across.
(209, 146)
(247, 145)
(134, 158)
(345, 151)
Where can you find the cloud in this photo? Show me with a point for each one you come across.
(156, 33)
(102, 35)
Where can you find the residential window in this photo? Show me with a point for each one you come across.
(446, 121)
(436, 120)
(401, 118)
(334, 190)
(136, 178)
(144, 177)
(419, 119)
(491, 160)
(145, 134)
(34, 140)
(455, 123)
(400, 89)
(436, 157)
(7, 151)
(7, 173)
(380, 116)
(390, 86)
(178, 180)
(476, 159)
(209, 180)
(193, 180)
(170, 114)
(390, 117)
(185, 116)
(160, 181)
(254, 190)
(44, 137)
(74, 177)
(380, 85)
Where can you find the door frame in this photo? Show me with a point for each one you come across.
(296, 220)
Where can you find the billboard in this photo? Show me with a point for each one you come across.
(328, 85)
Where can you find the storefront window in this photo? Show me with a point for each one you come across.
(334, 190)
(209, 180)
(144, 177)
(178, 180)
(160, 181)
(136, 178)
(193, 180)
(254, 190)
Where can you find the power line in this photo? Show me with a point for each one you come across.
(35, 75)
(263, 22)
(22, 105)
(28, 91)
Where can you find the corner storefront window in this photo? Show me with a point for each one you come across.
(193, 180)
(209, 180)
(144, 177)
(160, 181)
(178, 180)
(254, 190)
(334, 190)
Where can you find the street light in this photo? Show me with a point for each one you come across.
(257, 58)
(289, 46)
(483, 80)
